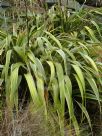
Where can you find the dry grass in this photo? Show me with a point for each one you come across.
(28, 124)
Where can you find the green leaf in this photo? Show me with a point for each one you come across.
(21, 52)
(31, 56)
(69, 100)
(97, 27)
(54, 39)
(52, 69)
(32, 89)
(2, 34)
(58, 105)
(14, 84)
(63, 55)
(6, 67)
(68, 95)
(93, 85)
(86, 113)
(60, 75)
(40, 89)
(92, 35)
(70, 54)
(80, 87)
(40, 43)
(55, 90)
(90, 61)
(61, 88)
(1, 81)
(80, 75)
(40, 68)
(91, 97)
(21, 40)
(48, 44)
